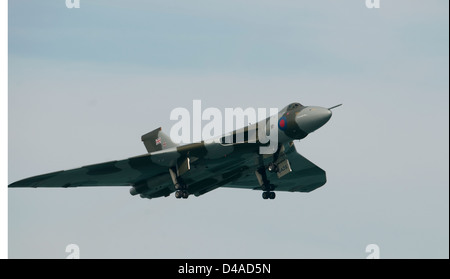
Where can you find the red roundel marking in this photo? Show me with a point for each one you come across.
(282, 123)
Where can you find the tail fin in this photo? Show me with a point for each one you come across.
(156, 140)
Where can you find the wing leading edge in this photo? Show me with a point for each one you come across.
(115, 173)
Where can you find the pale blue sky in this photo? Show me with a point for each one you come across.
(85, 84)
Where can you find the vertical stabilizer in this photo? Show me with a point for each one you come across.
(156, 140)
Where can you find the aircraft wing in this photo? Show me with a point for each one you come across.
(305, 176)
(115, 173)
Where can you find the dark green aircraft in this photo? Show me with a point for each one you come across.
(201, 167)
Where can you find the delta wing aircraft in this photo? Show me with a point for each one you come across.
(201, 167)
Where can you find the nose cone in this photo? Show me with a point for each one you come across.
(310, 119)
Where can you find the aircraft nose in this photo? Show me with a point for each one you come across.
(310, 119)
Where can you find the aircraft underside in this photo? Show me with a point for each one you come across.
(240, 170)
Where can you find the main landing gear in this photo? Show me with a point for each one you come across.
(265, 184)
(180, 187)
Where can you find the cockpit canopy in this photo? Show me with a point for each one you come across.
(294, 105)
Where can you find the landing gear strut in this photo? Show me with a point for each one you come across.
(180, 187)
(265, 184)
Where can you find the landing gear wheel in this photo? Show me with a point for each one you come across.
(268, 195)
(185, 194)
(272, 195)
(178, 194)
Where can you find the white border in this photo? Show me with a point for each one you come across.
(4, 127)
